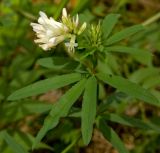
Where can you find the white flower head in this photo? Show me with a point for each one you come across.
(50, 32)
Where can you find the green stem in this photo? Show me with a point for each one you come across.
(59, 10)
(152, 19)
(71, 145)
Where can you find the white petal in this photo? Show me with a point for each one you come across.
(52, 40)
(41, 35)
(41, 21)
(43, 18)
(49, 33)
(42, 40)
(64, 12)
(55, 23)
(46, 46)
(68, 44)
(75, 44)
(34, 24)
(77, 20)
(38, 27)
(58, 39)
(39, 31)
(43, 15)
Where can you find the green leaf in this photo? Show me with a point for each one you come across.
(60, 6)
(112, 136)
(116, 97)
(124, 34)
(26, 140)
(23, 139)
(151, 82)
(60, 109)
(108, 24)
(129, 88)
(45, 85)
(140, 55)
(89, 109)
(129, 121)
(58, 63)
(17, 148)
(142, 74)
(11, 112)
(86, 16)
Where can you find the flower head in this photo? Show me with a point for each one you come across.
(72, 23)
(95, 35)
(50, 32)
